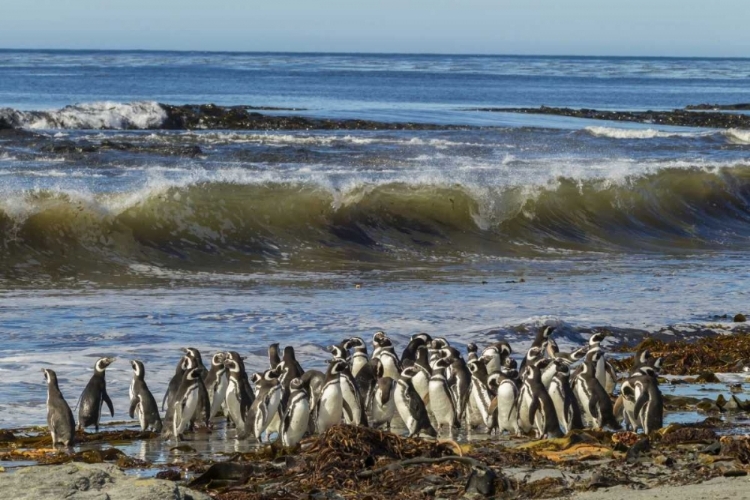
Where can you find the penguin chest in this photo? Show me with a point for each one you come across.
(330, 406)
(358, 362)
(525, 398)
(350, 395)
(507, 407)
(482, 399)
(403, 406)
(421, 383)
(234, 404)
(382, 412)
(441, 403)
(218, 394)
(557, 395)
(583, 395)
(266, 409)
(390, 368)
(295, 424)
(185, 410)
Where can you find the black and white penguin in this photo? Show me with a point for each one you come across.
(566, 404)
(504, 406)
(591, 395)
(542, 335)
(410, 406)
(359, 357)
(195, 354)
(421, 380)
(297, 416)
(238, 400)
(471, 351)
(533, 355)
(142, 402)
(60, 422)
(174, 384)
(266, 405)
(480, 396)
(605, 372)
(329, 409)
(459, 380)
(386, 353)
(191, 401)
(495, 356)
(235, 357)
(354, 403)
(273, 355)
(290, 368)
(441, 399)
(437, 344)
(382, 405)
(569, 358)
(216, 383)
(94, 396)
(366, 380)
(649, 404)
(409, 356)
(535, 407)
(314, 380)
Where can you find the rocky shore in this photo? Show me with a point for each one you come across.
(677, 117)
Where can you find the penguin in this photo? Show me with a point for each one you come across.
(266, 404)
(297, 416)
(386, 353)
(632, 389)
(549, 369)
(532, 356)
(504, 405)
(441, 399)
(330, 406)
(366, 380)
(314, 381)
(216, 383)
(94, 396)
(645, 358)
(273, 355)
(410, 406)
(459, 380)
(382, 406)
(535, 407)
(60, 422)
(188, 402)
(496, 355)
(471, 352)
(174, 384)
(568, 358)
(542, 335)
(359, 357)
(593, 398)
(480, 395)
(353, 402)
(649, 404)
(566, 405)
(192, 352)
(291, 369)
(434, 350)
(237, 400)
(409, 356)
(235, 356)
(605, 372)
(421, 380)
(142, 402)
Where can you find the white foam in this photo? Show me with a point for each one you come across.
(737, 136)
(95, 115)
(630, 133)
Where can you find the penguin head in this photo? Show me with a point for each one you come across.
(50, 376)
(289, 354)
(648, 371)
(657, 364)
(337, 351)
(476, 367)
(442, 363)
(439, 343)
(493, 380)
(192, 352)
(354, 342)
(218, 359)
(644, 356)
(597, 338)
(423, 337)
(296, 383)
(270, 375)
(472, 348)
(232, 365)
(102, 364)
(511, 373)
(408, 373)
(274, 347)
(338, 366)
(562, 367)
(534, 353)
(194, 373)
(510, 364)
(188, 363)
(255, 378)
(423, 354)
(547, 331)
(378, 338)
(450, 353)
(138, 369)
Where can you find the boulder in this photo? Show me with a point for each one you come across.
(79, 481)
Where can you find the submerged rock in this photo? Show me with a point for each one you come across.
(739, 318)
(88, 481)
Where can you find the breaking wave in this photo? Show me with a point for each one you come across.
(239, 224)
(95, 115)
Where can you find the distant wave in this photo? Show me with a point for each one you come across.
(95, 115)
(239, 221)
(629, 133)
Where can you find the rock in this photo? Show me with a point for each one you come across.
(481, 482)
(88, 481)
(688, 435)
(169, 475)
(739, 318)
(707, 377)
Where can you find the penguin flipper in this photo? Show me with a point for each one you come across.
(108, 401)
(133, 404)
(533, 408)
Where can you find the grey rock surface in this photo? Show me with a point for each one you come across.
(80, 481)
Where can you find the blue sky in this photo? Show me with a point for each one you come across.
(581, 27)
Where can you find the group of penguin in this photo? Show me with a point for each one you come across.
(548, 394)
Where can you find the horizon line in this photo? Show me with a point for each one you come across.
(371, 53)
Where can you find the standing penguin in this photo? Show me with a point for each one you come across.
(359, 356)
(386, 353)
(190, 397)
(566, 405)
(535, 408)
(216, 383)
(441, 399)
(649, 404)
(382, 405)
(594, 400)
(60, 421)
(238, 400)
(411, 407)
(481, 395)
(273, 355)
(421, 380)
(297, 414)
(409, 356)
(494, 356)
(459, 379)
(142, 402)
(504, 406)
(174, 384)
(329, 408)
(94, 396)
(266, 404)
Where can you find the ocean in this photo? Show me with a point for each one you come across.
(121, 237)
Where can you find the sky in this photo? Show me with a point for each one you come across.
(716, 28)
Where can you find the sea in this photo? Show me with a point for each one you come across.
(120, 238)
